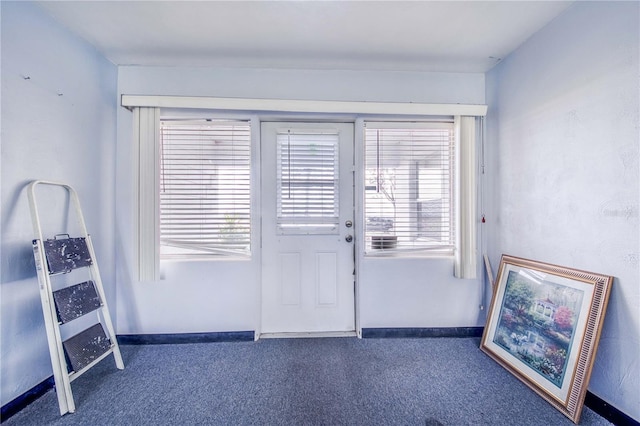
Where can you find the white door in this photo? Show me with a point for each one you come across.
(307, 228)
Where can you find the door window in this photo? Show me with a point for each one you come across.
(307, 183)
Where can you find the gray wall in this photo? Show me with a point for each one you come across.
(226, 295)
(57, 125)
(563, 157)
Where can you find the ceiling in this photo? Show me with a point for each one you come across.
(447, 36)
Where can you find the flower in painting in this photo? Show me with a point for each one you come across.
(563, 318)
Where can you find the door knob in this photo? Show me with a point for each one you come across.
(348, 224)
(348, 238)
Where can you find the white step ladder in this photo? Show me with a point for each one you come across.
(64, 306)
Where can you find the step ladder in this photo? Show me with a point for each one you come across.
(71, 307)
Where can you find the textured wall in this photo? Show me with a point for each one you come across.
(563, 158)
(57, 124)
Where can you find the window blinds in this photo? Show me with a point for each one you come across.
(204, 188)
(409, 187)
(307, 182)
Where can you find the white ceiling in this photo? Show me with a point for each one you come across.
(448, 36)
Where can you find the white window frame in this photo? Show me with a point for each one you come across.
(405, 241)
(219, 236)
(145, 128)
(468, 130)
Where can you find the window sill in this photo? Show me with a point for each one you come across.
(413, 254)
(238, 258)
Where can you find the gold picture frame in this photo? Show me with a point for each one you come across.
(544, 325)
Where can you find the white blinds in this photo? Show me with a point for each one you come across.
(307, 182)
(409, 199)
(204, 188)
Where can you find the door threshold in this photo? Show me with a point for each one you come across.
(307, 334)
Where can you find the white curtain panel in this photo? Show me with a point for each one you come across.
(465, 264)
(146, 123)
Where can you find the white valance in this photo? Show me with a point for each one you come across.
(302, 106)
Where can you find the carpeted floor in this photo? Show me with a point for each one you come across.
(328, 381)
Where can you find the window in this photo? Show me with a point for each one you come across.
(409, 185)
(204, 189)
(307, 179)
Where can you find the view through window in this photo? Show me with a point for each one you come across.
(409, 201)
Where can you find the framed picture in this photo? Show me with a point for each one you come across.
(544, 325)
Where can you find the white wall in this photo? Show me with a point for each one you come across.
(304, 84)
(225, 296)
(563, 146)
(418, 292)
(59, 124)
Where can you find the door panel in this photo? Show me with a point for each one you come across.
(327, 278)
(307, 197)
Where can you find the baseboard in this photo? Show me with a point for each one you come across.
(608, 411)
(25, 399)
(164, 339)
(407, 332)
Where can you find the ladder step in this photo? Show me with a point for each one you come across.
(86, 346)
(66, 254)
(75, 301)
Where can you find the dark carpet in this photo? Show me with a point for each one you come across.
(328, 381)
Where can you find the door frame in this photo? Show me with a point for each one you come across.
(356, 208)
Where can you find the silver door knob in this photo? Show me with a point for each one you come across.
(348, 224)
(348, 238)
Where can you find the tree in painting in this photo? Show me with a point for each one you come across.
(520, 296)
